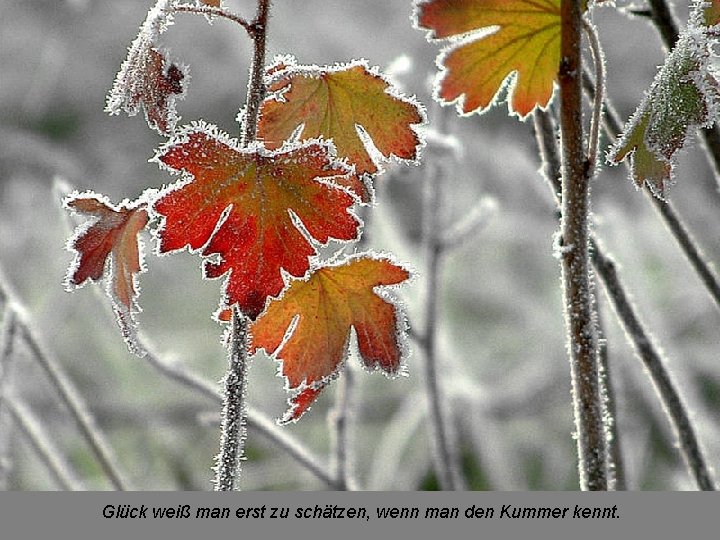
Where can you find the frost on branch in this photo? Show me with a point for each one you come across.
(367, 119)
(108, 247)
(255, 214)
(147, 78)
(682, 98)
(309, 328)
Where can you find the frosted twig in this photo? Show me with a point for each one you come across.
(642, 342)
(599, 98)
(616, 462)
(46, 450)
(256, 419)
(234, 413)
(644, 348)
(215, 12)
(577, 285)
(72, 400)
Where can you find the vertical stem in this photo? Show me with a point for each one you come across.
(582, 338)
(340, 419)
(256, 87)
(627, 315)
(232, 439)
(8, 328)
(444, 456)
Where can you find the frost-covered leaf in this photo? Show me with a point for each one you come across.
(495, 44)
(147, 78)
(308, 328)
(345, 103)
(255, 212)
(109, 246)
(682, 98)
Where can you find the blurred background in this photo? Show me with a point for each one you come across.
(502, 362)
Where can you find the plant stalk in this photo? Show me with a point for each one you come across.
(232, 439)
(575, 258)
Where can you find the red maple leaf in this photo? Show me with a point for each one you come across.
(308, 328)
(108, 246)
(254, 211)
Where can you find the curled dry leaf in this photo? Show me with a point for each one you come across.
(108, 246)
(147, 78)
(344, 103)
(253, 211)
(308, 328)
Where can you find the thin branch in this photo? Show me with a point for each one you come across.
(214, 12)
(575, 262)
(77, 407)
(232, 440)
(72, 400)
(616, 463)
(46, 450)
(644, 348)
(444, 454)
(599, 98)
(341, 420)
(256, 419)
(639, 338)
(7, 341)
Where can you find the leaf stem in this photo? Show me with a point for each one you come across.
(582, 336)
(215, 12)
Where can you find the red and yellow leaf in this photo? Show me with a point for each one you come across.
(243, 207)
(109, 246)
(476, 68)
(331, 103)
(308, 328)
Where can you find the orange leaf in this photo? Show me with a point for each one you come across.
(109, 246)
(477, 68)
(331, 102)
(308, 328)
(254, 211)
